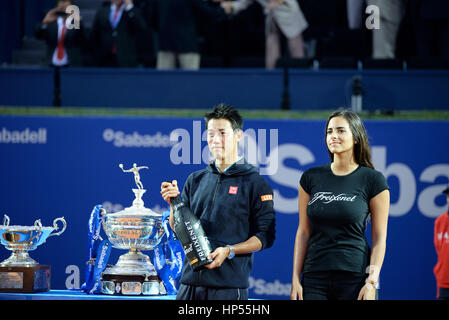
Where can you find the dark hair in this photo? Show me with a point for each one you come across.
(224, 111)
(362, 152)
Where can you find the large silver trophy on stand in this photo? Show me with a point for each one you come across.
(20, 273)
(135, 229)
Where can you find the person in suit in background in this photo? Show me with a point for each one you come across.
(65, 46)
(175, 21)
(112, 40)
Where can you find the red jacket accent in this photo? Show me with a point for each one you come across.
(441, 241)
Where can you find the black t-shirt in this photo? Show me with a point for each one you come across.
(338, 211)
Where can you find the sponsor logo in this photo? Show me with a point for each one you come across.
(266, 197)
(233, 190)
(136, 140)
(26, 136)
(263, 287)
(178, 206)
(328, 197)
(440, 236)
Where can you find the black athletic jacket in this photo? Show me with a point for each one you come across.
(232, 206)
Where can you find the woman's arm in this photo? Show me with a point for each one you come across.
(301, 241)
(379, 208)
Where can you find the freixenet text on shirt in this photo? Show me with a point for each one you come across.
(328, 197)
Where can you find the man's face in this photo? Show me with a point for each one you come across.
(117, 2)
(223, 140)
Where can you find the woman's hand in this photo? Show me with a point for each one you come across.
(296, 290)
(368, 292)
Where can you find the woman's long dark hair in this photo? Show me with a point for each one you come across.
(362, 151)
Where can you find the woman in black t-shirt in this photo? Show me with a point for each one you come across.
(335, 201)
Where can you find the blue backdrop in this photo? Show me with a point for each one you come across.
(64, 166)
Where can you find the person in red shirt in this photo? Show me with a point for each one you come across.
(441, 241)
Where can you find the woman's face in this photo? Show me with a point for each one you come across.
(339, 136)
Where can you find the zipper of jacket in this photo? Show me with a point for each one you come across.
(215, 191)
(213, 201)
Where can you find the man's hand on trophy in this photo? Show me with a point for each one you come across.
(169, 190)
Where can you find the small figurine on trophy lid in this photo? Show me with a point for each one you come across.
(20, 273)
(135, 229)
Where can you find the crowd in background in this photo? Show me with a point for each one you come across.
(191, 34)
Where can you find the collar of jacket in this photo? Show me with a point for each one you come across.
(238, 168)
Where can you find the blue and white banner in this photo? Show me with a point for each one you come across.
(64, 166)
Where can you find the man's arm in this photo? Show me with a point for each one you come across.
(220, 254)
(262, 227)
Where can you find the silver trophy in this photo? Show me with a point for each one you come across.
(135, 229)
(21, 273)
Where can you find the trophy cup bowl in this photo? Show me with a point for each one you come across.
(19, 272)
(21, 239)
(134, 229)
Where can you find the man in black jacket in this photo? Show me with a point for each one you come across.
(235, 206)
(113, 35)
(65, 46)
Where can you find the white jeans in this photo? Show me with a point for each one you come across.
(167, 60)
(384, 39)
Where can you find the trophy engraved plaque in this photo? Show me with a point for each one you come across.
(135, 229)
(20, 273)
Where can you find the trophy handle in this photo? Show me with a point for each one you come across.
(103, 215)
(38, 224)
(6, 220)
(55, 225)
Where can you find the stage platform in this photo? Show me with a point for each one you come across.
(76, 295)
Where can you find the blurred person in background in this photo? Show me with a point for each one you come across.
(65, 46)
(432, 28)
(354, 9)
(113, 36)
(385, 38)
(175, 22)
(283, 17)
(391, 14)
(441, 242)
